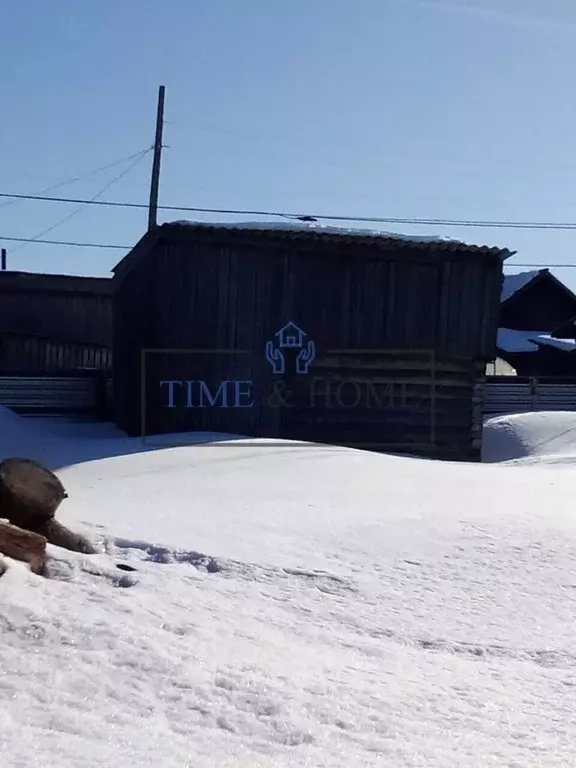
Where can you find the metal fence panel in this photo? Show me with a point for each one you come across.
(528, 395)
(50, 394)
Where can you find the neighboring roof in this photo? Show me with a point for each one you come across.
(515, 285)
(509, 340)
(301, 232)
(35, 281)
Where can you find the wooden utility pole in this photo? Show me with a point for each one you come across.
(153, 206)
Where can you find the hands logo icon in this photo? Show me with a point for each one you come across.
(305, 357)
(275, 358)
(290, 337)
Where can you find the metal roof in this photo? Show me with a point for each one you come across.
(316, 233)
(301, 233)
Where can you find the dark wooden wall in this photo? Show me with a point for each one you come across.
(223, 293)
(68, 308)
(36, 353)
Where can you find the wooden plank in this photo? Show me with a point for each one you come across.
(23, 545)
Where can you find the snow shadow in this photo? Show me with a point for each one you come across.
(60, 443)
(158, 554)
(147, 552)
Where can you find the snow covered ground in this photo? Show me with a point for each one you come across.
(297, 606)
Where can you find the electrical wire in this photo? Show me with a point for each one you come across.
(115, 246)
(74, 179)
(64, 242)
(140, 156)
(415, 221)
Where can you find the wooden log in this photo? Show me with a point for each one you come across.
(23, 545)
(58, 535)
(29, 492)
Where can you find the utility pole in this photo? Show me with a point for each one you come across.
(153, 206)
(3, 259)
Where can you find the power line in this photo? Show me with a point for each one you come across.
(74, 179)
(44, 198)
(544, 266)
(140, 155)
(65, 242)
(129, 247)
(496, 224)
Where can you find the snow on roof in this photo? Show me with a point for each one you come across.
(516, 341)
(510, 340)
(513, 283)
(297, 231)
(568, 345)
(321, 229)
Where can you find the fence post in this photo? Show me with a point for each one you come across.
(478, 401)
(534, 393)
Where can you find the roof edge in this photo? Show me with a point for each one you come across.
(21, 280)
(325, 234)
(129, 261)
(165, 231)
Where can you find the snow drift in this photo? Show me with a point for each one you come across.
(543, 437)
(293, 606)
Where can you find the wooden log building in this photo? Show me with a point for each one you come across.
(307, 333)
(54, 322)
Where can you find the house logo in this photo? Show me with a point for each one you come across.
(290, 337)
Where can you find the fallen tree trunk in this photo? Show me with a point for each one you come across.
(23, 545)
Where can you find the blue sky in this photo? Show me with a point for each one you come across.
(408, 108)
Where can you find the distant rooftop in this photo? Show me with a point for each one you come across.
(513, 283)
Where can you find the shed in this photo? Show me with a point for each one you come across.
(390, 335)
(54, 322)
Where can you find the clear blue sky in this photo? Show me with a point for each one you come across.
(426, 108)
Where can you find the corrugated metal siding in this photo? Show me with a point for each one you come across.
(51, 394)
(519, 395)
